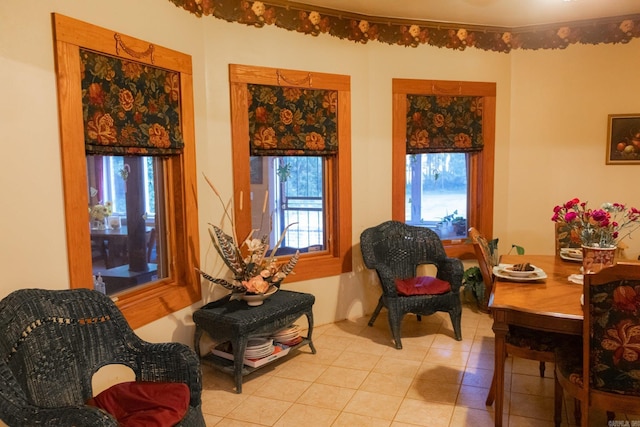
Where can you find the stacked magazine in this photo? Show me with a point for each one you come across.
(263, 350)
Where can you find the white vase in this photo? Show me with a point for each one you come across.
(254, 300)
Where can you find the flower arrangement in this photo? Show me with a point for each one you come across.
(604, 227)
(254, 273)
(100, 211)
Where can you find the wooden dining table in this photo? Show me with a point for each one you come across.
(548, 305)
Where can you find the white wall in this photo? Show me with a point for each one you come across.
(550, 135)
(560, 102)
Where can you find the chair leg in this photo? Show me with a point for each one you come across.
(456, 315)
(542, 368)
(558, 397)
(394, 324)
(584, 413)
(376, 312)
(577, 411)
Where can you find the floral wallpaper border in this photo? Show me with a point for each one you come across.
(314, 21)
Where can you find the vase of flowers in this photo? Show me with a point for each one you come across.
(98, 214)
(601, 230)
(255, 271)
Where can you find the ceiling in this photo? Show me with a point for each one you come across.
(498, 13)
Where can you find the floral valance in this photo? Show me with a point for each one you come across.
(129, 108)
(292, 121)
(310, 20)
(444, 123)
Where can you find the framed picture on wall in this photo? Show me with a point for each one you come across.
(623, 142)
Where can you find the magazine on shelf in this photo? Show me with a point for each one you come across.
(224, 350)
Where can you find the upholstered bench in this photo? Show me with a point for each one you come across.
(235, 321)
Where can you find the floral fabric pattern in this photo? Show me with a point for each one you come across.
(615, 342)
(292, 121)
(444, 123)
(308, 21)
(129, 108)
(567, 236)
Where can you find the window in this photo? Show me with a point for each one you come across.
(125, 253)
(448, 188)
(307, 191)
(158, 193)
(436, 193)
(295, 192)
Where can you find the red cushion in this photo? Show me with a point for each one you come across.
(144, 404)
(423, 285)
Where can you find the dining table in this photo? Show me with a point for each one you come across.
(548, 302)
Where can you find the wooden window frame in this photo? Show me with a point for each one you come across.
(337, 258)
(480, 164)
(182, 286)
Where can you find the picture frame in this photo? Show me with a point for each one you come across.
(623, 139)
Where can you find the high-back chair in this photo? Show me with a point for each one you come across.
(604, 372)
(485, 263)
(395, 250)
(53, 341)
(566, 237)
(520, 342)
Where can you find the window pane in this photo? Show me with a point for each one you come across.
(294, 190)
(126, 232)
(436, 193)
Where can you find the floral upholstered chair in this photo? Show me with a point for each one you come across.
(604, 373)
(395, 250)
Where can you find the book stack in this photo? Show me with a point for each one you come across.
(263, 350)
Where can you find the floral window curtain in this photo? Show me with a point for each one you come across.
(292, 121)
(438, 124)
(129, 108)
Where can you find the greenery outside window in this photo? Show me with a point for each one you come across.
(297, 169)
(159, 192)
(444, 181)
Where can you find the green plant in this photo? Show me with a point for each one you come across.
(473, 283)
(472, 277)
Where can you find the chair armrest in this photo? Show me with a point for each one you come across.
(29, 415)
(387, 280)
(451, 270)
(171, 362)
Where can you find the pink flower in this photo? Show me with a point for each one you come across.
(602, 227)
(256, 285)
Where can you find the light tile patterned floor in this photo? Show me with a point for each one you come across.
(358, 378)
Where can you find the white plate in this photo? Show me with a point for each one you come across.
(571, 254)
(578, 279)
(509, 271)
(535, 275)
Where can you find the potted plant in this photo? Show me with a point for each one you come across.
(472, 277)
(474, 285)
(459, 225)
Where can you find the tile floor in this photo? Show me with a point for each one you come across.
(357, 378)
